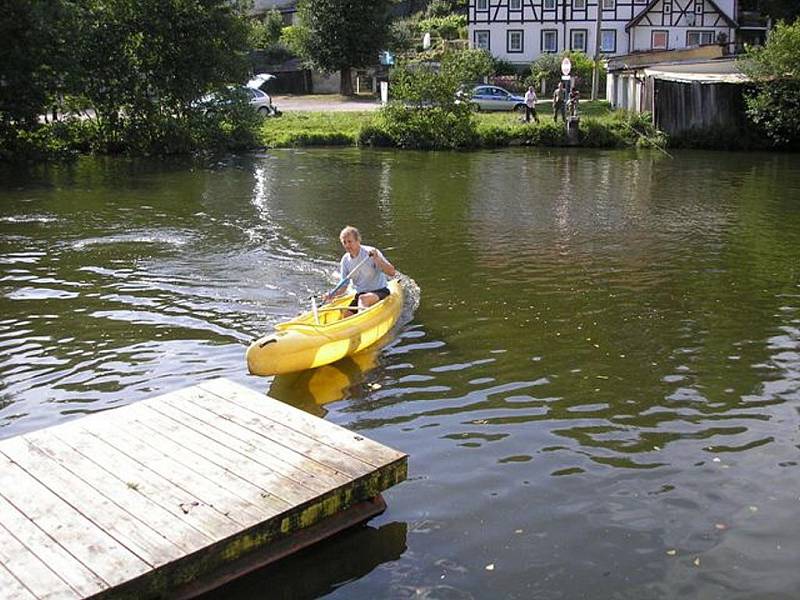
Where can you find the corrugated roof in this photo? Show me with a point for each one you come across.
(716, 71)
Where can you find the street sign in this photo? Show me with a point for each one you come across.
(566, 65)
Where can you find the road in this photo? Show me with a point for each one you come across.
(325, 103)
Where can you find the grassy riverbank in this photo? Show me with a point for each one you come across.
(599, 127)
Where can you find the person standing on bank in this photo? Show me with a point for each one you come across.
(365, 267)
(560, 103)
(530, 105)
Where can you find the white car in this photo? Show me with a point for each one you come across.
(257, 98)
(491, 97)
(261, 101)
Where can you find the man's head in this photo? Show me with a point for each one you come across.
(351, 240)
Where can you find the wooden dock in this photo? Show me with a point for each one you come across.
(179, 493)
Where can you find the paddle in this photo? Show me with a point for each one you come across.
(327, 297)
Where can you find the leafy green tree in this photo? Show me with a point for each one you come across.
(152, 57)
(33, 57)
(266, 30)
(426, 111)
(337, 35)
(547, 67)
(774, 103)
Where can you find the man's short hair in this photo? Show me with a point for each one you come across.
(350, 230)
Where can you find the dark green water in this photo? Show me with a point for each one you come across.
(599, 390)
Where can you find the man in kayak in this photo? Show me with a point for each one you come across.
(365, 267)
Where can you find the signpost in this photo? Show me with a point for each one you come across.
(566, 66)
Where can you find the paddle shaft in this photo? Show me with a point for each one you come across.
(349, 276)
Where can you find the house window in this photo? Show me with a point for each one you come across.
(482, 40)
(579, 4)
(482, 5)
(658, 40)
(515, 4)
(577, 39)
(608, 40)
(699, 38)
(549, 4)
(514, 41)
(549, 40)
(608, 4)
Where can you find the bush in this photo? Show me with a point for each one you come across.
(505, 68)
(547, 67)
(447, 27)
(430, 128)
(509, 82)
(599, 134)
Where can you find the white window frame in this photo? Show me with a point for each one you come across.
(572, 45)
(478, 35)
(510, 36)
(603, 47)
(549, 33)
(708, 34)
(653, 37)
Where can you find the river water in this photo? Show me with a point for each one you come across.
(598, 391)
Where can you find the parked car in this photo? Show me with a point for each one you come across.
(491, 97)
(257, 98)
(261, 101)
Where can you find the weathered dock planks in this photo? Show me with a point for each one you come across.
(157, 497)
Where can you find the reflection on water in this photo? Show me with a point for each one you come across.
(311, 390)
(319, 571)
(598, 391)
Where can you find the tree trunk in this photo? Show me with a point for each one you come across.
(346, 84)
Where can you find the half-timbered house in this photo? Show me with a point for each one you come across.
(520, 30)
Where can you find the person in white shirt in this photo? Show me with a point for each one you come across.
(530, 105)
(366, 268)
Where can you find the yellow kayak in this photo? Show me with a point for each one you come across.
(307, 341)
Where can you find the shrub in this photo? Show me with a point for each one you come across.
(431, 128)
(509, 82)
(547, 67)
(447, 27)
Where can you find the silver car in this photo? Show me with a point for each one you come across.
(491, 97)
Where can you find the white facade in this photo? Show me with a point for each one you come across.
(520, 30)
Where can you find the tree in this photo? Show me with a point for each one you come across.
(33, 56)
(774, 102)
(146, 59)
(266, 30)
(337, 35)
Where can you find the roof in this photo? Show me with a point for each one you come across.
(715, 71)
(647, 58)
(635, 20)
